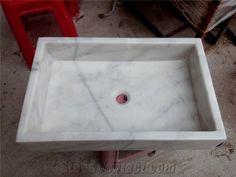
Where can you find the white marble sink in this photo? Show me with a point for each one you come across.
(71, 100)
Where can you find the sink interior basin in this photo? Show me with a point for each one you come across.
(81, 95)
(135, 93)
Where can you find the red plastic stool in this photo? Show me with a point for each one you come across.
(73, 7)
(15, 10)
(113, 159)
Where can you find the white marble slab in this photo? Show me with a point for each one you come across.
(70, 103)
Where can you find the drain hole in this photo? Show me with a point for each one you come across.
(122, 98)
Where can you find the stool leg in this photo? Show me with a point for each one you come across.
(73, 6)
(22, 38)
(109, 159)
(65, 22)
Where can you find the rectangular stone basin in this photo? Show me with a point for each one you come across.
(120, 94)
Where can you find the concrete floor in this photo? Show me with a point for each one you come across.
(17, 161)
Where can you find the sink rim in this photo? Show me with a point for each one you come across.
(24, 136)
(122, 136)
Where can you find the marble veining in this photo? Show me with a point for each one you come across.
(71, 104)
(160, 94)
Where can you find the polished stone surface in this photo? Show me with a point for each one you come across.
(74, 83)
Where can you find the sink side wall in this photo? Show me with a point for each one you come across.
(118, 51)
(43, 69)
(201, 93)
